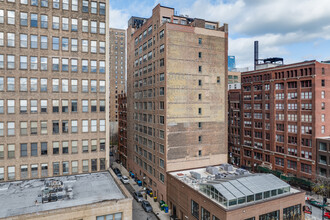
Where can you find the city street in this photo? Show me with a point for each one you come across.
(138, 211)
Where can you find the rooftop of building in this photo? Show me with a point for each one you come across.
(38, 195)
(324, 138)
(232, 187)
(272, 67)
(137, 22)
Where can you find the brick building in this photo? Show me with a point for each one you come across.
(53, 93)
(177, 95)
(323, 157)
(117, 75)
(122, 129)
(234, 125)
(219, 193)
(284, 111)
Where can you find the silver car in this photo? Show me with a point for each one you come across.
(146, 206)
(138, 196)
(124, 179)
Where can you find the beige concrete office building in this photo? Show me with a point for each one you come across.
(53, 93)
(177, 95)
(117, 75)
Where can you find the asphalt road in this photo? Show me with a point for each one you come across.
(138, 211)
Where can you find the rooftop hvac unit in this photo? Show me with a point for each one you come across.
(228, 167)
(219, 176)
(195, 175)
(212, 170)
(241, 171)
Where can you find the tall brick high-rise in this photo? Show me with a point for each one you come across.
(284, 111)
(177, 95)
(53, 93)
(117, 76)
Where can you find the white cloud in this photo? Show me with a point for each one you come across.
(118, 18)
(275, 24)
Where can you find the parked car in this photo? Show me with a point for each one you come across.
(138, 196)
(327, 215)
(119, 175)
(124, 179)
(116, 171)
(146, 206)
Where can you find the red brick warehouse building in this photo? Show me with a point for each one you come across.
(284, 111)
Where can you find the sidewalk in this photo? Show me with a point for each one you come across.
(155, 205)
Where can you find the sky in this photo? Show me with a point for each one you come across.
(296, 30)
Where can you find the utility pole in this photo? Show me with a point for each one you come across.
(323, 205)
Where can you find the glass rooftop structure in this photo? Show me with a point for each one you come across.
(244, 189)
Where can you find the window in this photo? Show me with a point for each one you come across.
(24, 171)
(194, 209)
(10, 39)
(102, 8)
(43, 127)
(74, 65)
(11, 106)
(93, 66)
(102, 125)
(10, 61)
(34, 20)
(322, 129)
(65, 24)
(271, 215)
(65, 85)
(74, 44)
(34, 106)
(93, 125)
(84, 45)
(56, 127)
(56, 23)
(55, 85)
(11, 173)
(34, 149)
(74, 105)
(94, 7)
(43, 105)
(74, 85)
(85, 26)
(85, 167)
(93, 86)
(44, 3)
(102, 67)
(10, 17)
(65, 147)
(43, 85)
(44, 170)
(1, 129)
(1, 16)
(34, 127)
(56, 168)
(84, 66)
(102, 47)
(44, 21)
(56, 147)
(23, 150)
(1, 39)
(74, 147)
(74, 126)
(1, 67)
(44, 148)
(33, 63)
(44, 63)
(199, 111)
(102, 28)
(56, 4)
(84, 85)
(74, 25)
(102, 85)
(293, 212)
(34, 41)
(93, 27)
(55, 64)
(85, 6)
(65, 106)
(23, 128)
(65, 43)
(93, 46)
(65, 64)
(74, 5)
(84, 126)
(65, 167)
(93, 105)
(102, 105)
(65, 4)
(74, 166)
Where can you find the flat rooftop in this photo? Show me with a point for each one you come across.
(19, 197)
(232, 187)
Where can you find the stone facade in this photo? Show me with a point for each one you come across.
(122, 129)
(53, 93)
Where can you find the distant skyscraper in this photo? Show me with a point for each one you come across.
(231, 63)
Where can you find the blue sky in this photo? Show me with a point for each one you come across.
(296, 30)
